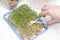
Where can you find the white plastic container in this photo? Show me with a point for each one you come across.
(9, 4)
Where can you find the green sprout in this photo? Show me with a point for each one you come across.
(22, 15)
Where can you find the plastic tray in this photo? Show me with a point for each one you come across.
(16, 31)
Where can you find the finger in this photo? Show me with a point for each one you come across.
(44, 8)
(43, 13)
(50, 22)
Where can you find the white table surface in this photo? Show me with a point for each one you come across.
(6, 33)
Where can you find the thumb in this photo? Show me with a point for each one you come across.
(43, 14)
(51, 22)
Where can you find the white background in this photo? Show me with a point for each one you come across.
(6, 33)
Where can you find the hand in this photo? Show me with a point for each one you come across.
(53, 11)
